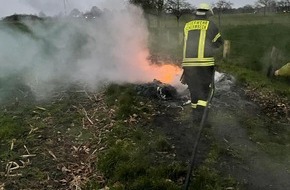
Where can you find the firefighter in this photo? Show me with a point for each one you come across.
(201, 40)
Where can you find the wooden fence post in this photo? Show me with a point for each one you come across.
(227, 49)
(274, 56)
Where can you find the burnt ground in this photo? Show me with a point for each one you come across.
(235, 113)
(251, 130)
(176, 124)
(253, 122)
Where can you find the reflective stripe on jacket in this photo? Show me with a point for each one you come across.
(201, 38)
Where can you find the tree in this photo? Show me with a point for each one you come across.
(95, 11)
(75, 13)
(247, 9)
(155, 7)
(222, 6)
(149, 6)
(283, 6)
(178, 8)
(265, 4)
(160, 6)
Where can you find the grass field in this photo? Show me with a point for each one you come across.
(252, 38)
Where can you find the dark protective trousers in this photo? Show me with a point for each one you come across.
(200, 81)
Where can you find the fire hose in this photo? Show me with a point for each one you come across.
(195, 147)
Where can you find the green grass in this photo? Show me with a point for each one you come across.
(131, 161)
(257, 80)
(123, 97)
(251, 19)
(252, 38)
(11, 127)
(251, 45)
(138, 157)
(208, 178)
(272, 138)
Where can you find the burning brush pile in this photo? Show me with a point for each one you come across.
(158, 90)
(166, 84)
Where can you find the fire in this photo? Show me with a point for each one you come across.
(167, 73)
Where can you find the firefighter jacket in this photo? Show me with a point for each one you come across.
(201, 38)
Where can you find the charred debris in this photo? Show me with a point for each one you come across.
(160, 91)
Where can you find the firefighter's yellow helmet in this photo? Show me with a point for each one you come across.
(204, 7)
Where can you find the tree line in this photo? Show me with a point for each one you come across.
(180, 7)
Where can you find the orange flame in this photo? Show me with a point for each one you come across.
(167, 73)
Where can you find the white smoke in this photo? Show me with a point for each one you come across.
(55, 7)
(113, 48)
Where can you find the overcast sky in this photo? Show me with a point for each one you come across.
(53, 7)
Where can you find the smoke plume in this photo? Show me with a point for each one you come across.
(51, 53)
